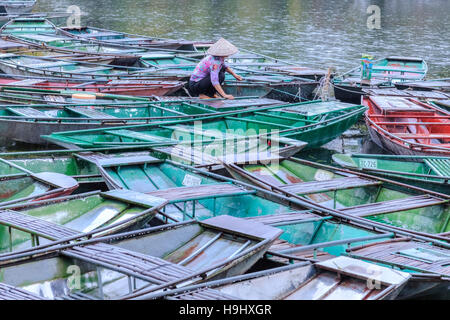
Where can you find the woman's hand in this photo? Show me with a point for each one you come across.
(228, 96)
(239, 78)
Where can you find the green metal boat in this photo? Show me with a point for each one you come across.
(431, 173)
(41, 26)
(192, 193)
(24, 186)
(315, 123)
(23, 65)
(401, 206)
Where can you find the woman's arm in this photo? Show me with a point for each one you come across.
(236, 76)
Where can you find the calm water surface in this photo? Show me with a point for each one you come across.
(313, 32)
(316, 33)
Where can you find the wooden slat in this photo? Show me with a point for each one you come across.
(28, 112)
(90, 113)
(156, 270)
(201, 191)
(393, 205)
(440, 166)
(328, 185)
(32, 224)
(389, 252)
(8, 292)
(203, 294)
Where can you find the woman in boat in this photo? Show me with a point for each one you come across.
(209, 74)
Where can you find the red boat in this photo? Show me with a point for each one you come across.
(141, 88)
(408, 127)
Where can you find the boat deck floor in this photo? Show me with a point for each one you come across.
(393, 205)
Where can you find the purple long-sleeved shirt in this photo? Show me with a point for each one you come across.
(211, 66)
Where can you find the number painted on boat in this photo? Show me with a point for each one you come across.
(368, 163)
(191, 181)
(322, 175)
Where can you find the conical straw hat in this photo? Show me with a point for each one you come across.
(222, 48)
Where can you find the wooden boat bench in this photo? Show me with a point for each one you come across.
(8, 292)
(35, 226)
(99, 34)
(28, 112)
(137, 136)
(440, 166)
(50, 64)
(403, 204)
(90, 113)
(202, 294)
(91, 70)
(200, 192)
(408, 253)
(328, 185)
(145, 267)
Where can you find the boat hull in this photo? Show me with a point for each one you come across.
(285, 92)
(31, 132)
(348, 94)
(387, 144)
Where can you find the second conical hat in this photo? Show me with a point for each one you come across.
(222, 48)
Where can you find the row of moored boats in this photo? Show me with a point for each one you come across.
(154, 194)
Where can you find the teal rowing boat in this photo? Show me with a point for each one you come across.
(315, 123)
(431, 173)
(353, 194)
(192, 193)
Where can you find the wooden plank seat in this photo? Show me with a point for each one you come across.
(200, 192)
(28, 112)
(419, 255)
(440, 166)
(51, 64)
(99, 34)
(138, 136)
(126, 39)
(145, 267)
(288, 217)
(397, 69)
(396, 104)
(40, 227)
(90, 70)
(328, 185)
(203, 294)
(90, 113)
(28, 82)
(393, 205)
(8, 292)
